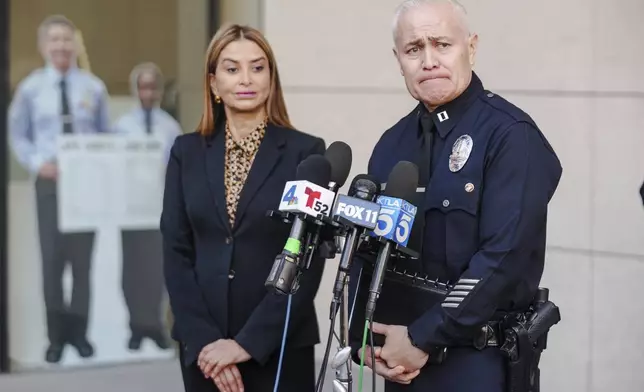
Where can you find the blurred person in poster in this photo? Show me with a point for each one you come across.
(219, 246)
(58, 99)
(142, 278)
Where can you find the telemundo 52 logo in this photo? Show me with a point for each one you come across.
(316, 200)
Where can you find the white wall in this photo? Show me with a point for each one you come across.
(574, 66)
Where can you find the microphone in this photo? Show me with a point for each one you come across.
(340, 157)
(308, 200)
(359, 213)
(305, 198)
(394, 223)
(308, 194)
(355, 213)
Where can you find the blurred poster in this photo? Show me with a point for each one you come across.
(143, 179)
(87, 182)
(85, 260)
(110, 178)
(111, 185)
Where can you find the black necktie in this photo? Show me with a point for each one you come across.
(148, 121)
(65, 113)
(425, 164)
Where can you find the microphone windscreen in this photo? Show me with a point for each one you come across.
(402, 181)
(417, 232)
(340, 156)
(316, 169)
(364, 187)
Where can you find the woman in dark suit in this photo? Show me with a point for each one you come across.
(219, 246)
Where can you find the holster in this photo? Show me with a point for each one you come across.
(524, 339)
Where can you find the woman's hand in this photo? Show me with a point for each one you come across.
(229, 379)
(220, 354)
(202, 355)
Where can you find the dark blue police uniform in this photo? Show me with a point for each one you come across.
(484, 228)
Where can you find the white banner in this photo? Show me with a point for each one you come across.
(110, 180)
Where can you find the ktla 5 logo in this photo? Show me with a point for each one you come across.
(395, 220)
(312, 197)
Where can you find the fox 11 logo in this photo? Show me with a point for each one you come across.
(359, 212)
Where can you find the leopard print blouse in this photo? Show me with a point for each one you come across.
(239, 159)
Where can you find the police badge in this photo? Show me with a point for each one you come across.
(87, 102)
(460, 153)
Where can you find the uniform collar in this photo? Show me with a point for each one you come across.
(139, 108)
(56, 75)
(445, 117)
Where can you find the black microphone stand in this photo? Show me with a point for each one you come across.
(341, 362)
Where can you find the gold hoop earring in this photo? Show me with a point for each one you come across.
(217, 99)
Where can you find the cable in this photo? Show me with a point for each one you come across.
(355, 296)
(279, 364)
(327, 351)
(364, 344)
(373, 357)
(334, 311)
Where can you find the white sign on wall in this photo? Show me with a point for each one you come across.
(110, 179)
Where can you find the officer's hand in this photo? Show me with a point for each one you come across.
(398, 350)
(48, 170)
(396, 374)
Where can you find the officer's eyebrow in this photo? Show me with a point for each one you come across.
(415, 42)
(421, 41)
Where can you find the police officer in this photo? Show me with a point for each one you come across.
(489, 174)
(59, 98)
(142, 278)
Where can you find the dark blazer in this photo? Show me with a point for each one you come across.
(215, 273)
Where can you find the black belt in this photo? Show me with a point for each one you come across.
(488, 336)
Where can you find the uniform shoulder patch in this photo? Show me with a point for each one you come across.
(506, 107)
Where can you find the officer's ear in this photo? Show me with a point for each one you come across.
(473, 43)
(395, 52)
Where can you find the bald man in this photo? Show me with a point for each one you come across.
(142, 279)
(487, 174)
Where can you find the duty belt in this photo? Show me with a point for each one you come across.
(488, 336)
